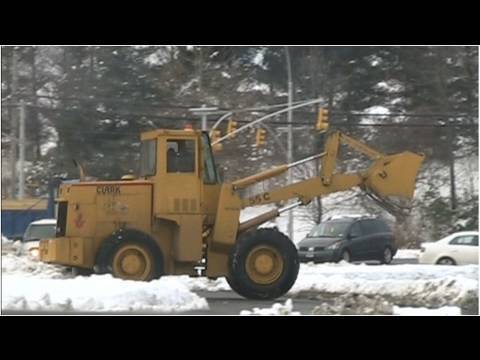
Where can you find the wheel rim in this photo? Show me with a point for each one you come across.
(346, 256)
(387, 255)
(132, 262)
(445, 262)
(264, 265)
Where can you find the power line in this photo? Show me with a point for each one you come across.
(271, 123)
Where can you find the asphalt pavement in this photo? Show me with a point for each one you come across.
(229, 303)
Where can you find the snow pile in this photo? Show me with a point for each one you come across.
(28, 284)
(403, 285)
(204, 284)
(97, 293)
(355, 305)
(6, 241)
(27, 266)
(443, 311)
(276, 309)
(407, 254)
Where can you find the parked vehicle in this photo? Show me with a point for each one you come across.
(460, 248)
(349, 239)
(36, 231)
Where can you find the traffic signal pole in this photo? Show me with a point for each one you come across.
(290, 137)
(263, 118)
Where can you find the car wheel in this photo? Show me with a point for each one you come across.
(345, 256)
(446, 261)
(387, 256)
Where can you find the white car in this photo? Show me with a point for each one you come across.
(460, 248)
(36, 231)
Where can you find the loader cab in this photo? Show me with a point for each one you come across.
(181, 166)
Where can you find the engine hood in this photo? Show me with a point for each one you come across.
(318, 241)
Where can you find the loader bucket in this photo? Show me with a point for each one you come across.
(394, 175)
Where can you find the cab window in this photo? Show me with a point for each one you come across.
(148, 158)
(180, 156)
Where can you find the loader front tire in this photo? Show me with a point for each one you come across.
(264, 265)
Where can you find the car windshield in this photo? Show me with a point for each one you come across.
(329, 229)
(36, 232)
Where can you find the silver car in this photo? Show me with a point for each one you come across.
(36, 231)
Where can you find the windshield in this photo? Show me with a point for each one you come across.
(329, 229)
(210, 175)
(36, 232)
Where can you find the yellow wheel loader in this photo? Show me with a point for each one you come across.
(178, 218)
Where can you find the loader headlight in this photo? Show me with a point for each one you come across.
(334, 246)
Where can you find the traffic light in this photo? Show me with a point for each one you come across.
(216, 135)
(261, 138)
(322, 123)
(232, 126)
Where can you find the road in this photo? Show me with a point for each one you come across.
(229, 303)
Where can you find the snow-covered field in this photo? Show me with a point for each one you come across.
(30, 285)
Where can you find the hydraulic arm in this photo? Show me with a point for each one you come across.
(387, 177)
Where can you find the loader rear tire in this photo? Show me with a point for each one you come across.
(131, 255)
(263, 264)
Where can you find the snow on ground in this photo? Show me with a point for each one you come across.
(204, 284)
(404, 285)
(31, 285)
(443, 311)
(287, 309)
(276, 309)
(5, 240)
(26, 266)
(97, 293)
(407, 254)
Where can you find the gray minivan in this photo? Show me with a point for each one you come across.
(348, 239)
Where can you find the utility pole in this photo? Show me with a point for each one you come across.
(451, 164)
(290, 137)
(21, 144)
(204, 111)
(204, 119)
(13, 127)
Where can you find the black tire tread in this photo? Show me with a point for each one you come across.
(238, 278)
(128, 236)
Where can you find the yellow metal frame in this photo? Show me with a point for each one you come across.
(192, 221)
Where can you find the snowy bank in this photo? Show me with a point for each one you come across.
(97, 293)
(443, 311)
(404, 285)
(30, 285)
